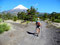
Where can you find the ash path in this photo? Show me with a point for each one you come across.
(18, 35)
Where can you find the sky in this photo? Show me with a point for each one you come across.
(44, 6)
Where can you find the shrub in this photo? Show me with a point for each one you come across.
(1, 29)
(0, 20)
(57, 20)
(46, 18)
(34, 19)
(15, 18)
(58, 17)
(52, 19)
(4, 27)
(27, 22)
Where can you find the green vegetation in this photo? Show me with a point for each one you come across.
(15, 18)
(27, 22)
(0, 19)
(44, 17)
(4, 27)
(30, 15)
(57, 20)
(6, 16)
(54, 17)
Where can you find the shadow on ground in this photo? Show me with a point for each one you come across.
(30, 33)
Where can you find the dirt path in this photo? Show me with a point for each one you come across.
(19, 36)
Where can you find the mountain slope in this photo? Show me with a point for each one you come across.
(19, 8)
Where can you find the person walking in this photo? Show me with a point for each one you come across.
(38, 25)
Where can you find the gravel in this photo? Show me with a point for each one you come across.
(18, 35)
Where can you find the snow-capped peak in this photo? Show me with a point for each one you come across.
(20, 7)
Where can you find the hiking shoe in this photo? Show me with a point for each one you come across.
(36, 34)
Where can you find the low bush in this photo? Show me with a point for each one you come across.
(57, 20)
(0, 20)
(1, 29)
(27, 22)
(15, 18)
(34, 19)
(44, 19)
(4, 27)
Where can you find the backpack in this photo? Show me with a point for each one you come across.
(38, 23)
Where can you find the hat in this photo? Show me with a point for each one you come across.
(38, 18)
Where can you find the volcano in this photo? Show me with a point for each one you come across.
(19, 8)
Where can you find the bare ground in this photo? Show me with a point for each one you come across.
(18, 35)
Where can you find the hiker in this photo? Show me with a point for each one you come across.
(38, 24)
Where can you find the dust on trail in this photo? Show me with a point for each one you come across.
(18, 35)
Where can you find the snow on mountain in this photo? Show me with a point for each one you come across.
(20, 7)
